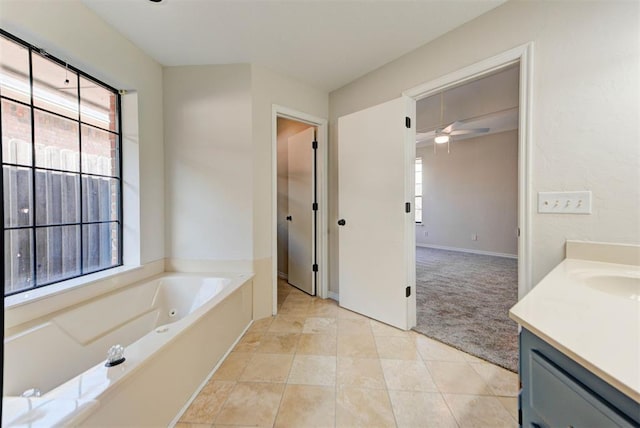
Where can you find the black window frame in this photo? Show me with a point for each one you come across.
(33, 167)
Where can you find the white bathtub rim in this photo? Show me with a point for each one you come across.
(135, 361)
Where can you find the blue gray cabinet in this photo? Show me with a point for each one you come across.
(558, 392)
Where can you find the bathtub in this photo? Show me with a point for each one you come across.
(174, 327)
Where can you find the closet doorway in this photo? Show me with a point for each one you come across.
(297, 220)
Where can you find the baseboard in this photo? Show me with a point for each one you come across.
(334, 296)
(283, 275)
(466, 250)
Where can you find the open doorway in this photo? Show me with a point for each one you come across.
(296, 200)
(467, 215)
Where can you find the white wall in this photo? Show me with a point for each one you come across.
(585, 109)
(269, 88)
(70, 31)
(286, 129)
(472, 190)
(209, 166)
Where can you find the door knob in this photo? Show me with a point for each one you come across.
(341, 222)
(288, 218)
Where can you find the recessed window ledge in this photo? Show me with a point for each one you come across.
(41, 293)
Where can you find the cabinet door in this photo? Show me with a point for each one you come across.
(562, 401)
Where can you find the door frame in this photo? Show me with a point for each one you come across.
(321, 183)
(523, 55)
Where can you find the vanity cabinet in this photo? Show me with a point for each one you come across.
(558, 392)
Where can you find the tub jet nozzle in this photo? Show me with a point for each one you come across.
(115, 356)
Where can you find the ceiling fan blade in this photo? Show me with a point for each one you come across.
(469, 131)
(450, 127)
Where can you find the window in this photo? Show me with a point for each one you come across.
(61, 186)
(418, 190)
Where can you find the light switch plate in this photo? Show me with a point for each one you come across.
(565, 202)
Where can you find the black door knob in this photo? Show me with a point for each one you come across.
(288, 218)
(341, 222)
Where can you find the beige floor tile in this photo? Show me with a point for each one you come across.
(360, 372)
(286, 324)
(381, 329)
(323, 308)
(421, 409)
(313, 370)
(261, 325)
(432, 350)
(345, 313)
(278, 343)
(511, 404)
(474, 411)
(267, 368)
(362, 407)
(294, 309)
(207, 405)
(396, 348)
(307, 406)
(320, 325)
(457, 378)
(249, 342)
(233, 366)
(349, 326)
(253, 404)
(407, 375)
(190, 425)
(357, 346)
(501, 381)
(317, 344)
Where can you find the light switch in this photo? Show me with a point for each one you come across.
(565, 202)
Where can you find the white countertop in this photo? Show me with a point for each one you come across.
(590, 311)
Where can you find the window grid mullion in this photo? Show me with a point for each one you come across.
(80, 169)
(34, 251)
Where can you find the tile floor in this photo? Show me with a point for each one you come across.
(318, 365)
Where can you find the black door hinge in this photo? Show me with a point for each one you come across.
(407, 207)
(314, 206)
(314, 145)
(407, 122)
(407, 292)
(315, 267)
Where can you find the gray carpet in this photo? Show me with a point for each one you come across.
(463, 300)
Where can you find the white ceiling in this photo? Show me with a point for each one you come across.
(326, 44)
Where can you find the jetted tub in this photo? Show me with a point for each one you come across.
(174, 327)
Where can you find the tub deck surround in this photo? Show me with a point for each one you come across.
(163, 323)
(590, 311)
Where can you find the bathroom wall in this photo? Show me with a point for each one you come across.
(218, 132)
(286, 129)
(471, 191)
(586, 106)
(70, 31)
(269, 88)
(209, 167)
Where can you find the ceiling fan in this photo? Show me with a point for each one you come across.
(444, 135)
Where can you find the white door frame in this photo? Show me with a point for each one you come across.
(524, 55)
(322, 279)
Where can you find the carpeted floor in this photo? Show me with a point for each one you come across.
(463, 300)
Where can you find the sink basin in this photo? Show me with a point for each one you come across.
(621, 285)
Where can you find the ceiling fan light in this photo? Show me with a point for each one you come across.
(441, 139)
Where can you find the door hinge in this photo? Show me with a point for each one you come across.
(314, 145)
(407, 292)
(518, 232)
(314, 206)
(407, 122)
(315, 267)
(407, 207)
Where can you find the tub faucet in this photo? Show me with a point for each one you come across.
(31, 393)
(115, 356)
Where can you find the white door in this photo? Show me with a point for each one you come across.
(301, 218)
(375, 181)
